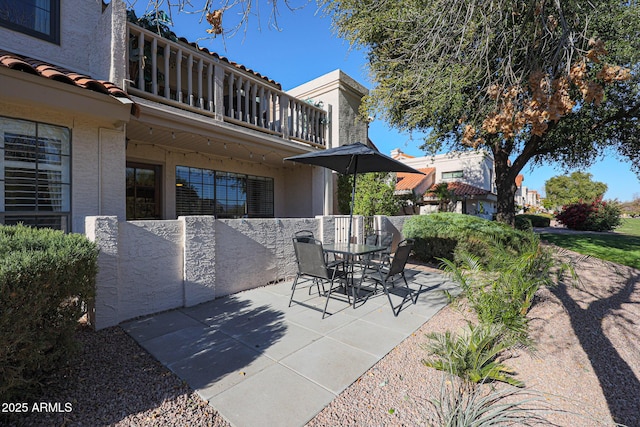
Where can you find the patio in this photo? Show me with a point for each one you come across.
(259, 362)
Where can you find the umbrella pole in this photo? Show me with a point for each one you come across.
(353, 199)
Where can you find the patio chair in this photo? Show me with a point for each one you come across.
(304, 235)
(388, 274)
(313, 266)
(378, 238)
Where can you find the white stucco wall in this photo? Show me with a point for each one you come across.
(151, 266)
(477, 167)
(97, 157)
(150, 262)
(292, 184)
(78, 30)
(344, 95)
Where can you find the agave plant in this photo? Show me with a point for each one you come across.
(472, 355)
(461, 404)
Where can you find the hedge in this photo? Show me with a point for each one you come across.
(441, 235)
(526, 221)
(46, 279)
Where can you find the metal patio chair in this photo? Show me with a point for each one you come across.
(312, 265)
(388, 274)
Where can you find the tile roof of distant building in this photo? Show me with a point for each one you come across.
(54, 72)
(462, 189)
(409, 181)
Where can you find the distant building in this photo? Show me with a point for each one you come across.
(525, 198)
(469, 176)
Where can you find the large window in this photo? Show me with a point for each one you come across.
(38, 18)
(35, 174)
(223, 194)
(143, 191)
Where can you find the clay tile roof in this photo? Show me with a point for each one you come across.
(519, 180)
(462, 189)
(57, 73)
(409, 181)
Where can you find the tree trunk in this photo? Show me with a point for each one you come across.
(506, 209)
(506, 189)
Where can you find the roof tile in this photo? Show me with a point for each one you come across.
(40, 68)
(409, 181)
(463, 189)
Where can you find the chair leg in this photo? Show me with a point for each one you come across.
(413, 300)
(293, 288)
(326, 302)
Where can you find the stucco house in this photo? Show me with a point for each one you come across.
(526, 198)
(469, 176)
(102, 117)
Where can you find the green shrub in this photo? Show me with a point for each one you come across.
(440, 235)
(46, 278)
(501, 291)
(523, 224)
(595, 216)
(534, 220)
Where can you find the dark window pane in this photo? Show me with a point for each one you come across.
(39, 18)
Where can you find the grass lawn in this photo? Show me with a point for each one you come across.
(622, 247)
(629, 226)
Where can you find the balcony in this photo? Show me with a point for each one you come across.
(178, 74)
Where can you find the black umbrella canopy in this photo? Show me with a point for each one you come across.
(353, 159)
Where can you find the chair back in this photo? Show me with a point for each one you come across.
(303, 235)
(400, 258)
(311, 258)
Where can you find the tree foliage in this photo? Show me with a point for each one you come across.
(567, 189)
(531, 81)
(443, 194)
(374, 194)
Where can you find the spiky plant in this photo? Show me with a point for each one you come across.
(472, 355)
(461, 404)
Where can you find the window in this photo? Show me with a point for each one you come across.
(223, 194)
(38, 18)
(452, 175)
(195, 191)
(143, 191)
(35, 174)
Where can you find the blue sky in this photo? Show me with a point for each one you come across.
(306, 47)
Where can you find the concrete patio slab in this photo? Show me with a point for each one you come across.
(375, 339)
(330, 363)
(260, 362)
(259, 401)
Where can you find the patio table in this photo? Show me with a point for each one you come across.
(352, 253)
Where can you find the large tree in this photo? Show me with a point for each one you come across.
(566, 189)
(532, 81)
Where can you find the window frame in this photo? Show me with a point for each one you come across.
(54, 25)
(225, 188)
(157, 169)
(448, 175)
(38, 217)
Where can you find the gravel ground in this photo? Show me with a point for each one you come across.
(586, 368)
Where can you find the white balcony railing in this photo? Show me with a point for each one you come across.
(177, 74)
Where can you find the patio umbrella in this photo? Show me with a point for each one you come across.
(353, 159)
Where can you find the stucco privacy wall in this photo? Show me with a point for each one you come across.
(150, 266)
